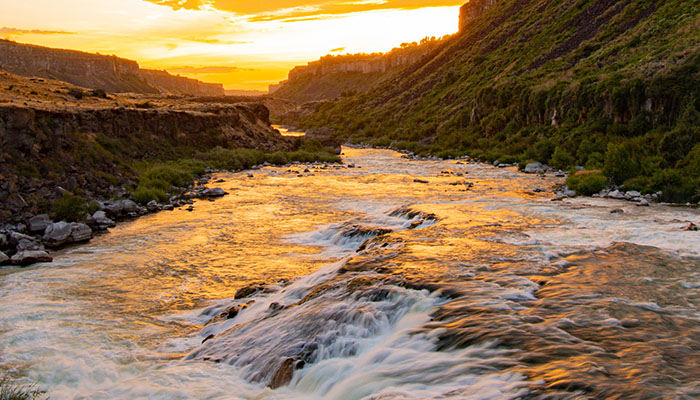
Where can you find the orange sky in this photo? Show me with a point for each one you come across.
(244, 44)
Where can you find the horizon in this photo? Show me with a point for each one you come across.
(242, 45)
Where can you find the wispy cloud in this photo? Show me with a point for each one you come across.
(271, 10)
(15, 31)
(203, 70)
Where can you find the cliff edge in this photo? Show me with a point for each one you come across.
(96, 71)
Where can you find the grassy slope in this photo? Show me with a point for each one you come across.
(601, 83)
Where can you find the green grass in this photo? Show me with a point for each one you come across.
(157, 178)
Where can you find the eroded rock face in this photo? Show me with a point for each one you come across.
(24, 258)
(63, 233)
(473, 9)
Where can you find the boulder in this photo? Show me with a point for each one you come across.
(28, 257)
(99, 221)
(124, 207)
(4, 259)
(534, 168)
(38, 223)
(27, 244)
(4, 242)
(213, 192)
(15, 238)
(616, 194)
(63, 233)
(152, 206)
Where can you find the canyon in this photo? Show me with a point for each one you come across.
(96, 71)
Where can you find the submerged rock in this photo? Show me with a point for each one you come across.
(28, 257)
(62, 233)
(420, 181)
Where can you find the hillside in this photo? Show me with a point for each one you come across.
(95, 71)
(57, 138)
(345, 75)
(606, 84)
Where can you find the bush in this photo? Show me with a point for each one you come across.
(143, 195)
(562, 159)
(620, 164)
(70, 208)
(587, 182)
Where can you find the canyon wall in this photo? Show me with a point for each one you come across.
(333, 76)
(171, 84)
(472, 10)
(96, 71)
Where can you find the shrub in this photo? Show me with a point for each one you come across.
(70, 208)
(562, 159)
(587, 182)
(143, 195)
(620, 164)
(277, 158)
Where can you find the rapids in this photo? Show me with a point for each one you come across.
(362, 283)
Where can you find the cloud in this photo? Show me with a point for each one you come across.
(203, 70)
(337, 50)
(15, 31)
(256, 10)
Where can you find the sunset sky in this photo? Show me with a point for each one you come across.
(244, 44)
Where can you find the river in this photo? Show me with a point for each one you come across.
(369, 285)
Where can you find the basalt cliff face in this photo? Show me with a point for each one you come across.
(95, 71)
(51, 142)
(334, 76)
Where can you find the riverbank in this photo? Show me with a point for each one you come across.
(75, 162)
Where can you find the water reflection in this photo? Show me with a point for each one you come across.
(287, 131)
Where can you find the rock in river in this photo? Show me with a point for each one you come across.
(534, 168)
(213, 192)
(62, 233)
(99, 221)
(28, 257)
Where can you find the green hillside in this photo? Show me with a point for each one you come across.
(606, 84)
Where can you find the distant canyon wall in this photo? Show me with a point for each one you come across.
(334, 76)
(96, 71)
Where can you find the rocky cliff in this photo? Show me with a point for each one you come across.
(334, 76)
(170, 84)
(52, 142)
(472, 10)
(95, 71)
